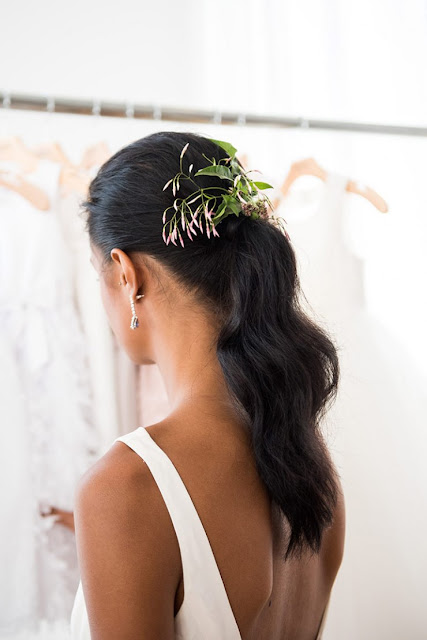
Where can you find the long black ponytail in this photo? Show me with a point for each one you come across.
(281, 368)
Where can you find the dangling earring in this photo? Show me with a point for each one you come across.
(134, 324)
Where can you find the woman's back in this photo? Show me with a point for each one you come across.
(268, 598)
(222, 318)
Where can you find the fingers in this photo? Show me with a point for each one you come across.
(66, 518)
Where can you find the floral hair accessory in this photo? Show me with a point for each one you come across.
(243, 197)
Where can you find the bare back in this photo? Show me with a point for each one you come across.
(270, 599)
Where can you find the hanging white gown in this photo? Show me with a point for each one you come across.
(47, 433)
(376, 423)
(113, 376)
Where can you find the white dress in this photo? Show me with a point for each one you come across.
(113, 376)
(47, 437)
(205, 612)
(376, 424)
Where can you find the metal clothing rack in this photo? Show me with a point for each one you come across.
(156, 112)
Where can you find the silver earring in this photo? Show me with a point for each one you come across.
(134, 324)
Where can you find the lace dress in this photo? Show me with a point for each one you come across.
(48, 440)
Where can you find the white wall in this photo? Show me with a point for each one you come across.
(328, 58)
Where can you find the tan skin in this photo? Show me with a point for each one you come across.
(128, 552)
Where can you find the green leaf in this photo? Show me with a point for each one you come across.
(216, 170)
(226, 146)
(220, 211)
(235, 166)
(232, 205)
(228, 206)
(263, 185)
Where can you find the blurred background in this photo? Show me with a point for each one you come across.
(328, 100)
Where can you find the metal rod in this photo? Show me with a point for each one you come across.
(156, 112)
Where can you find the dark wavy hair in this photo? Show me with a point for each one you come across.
(280, 367)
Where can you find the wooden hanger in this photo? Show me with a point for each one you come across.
(96, 154)
(72, 179)
(76, 178)
(52, 151)
(309, 166)
(14, 150)
(17, 183)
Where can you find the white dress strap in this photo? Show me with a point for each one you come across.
(206, 611)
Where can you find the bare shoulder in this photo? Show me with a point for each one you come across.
(119, 462)
(126, 548)
(120, 472)
(120, 487)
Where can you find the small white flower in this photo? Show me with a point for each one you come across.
(194, 199)
(184, 150)
(167, 184)
(190, 168)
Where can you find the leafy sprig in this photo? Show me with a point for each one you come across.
(243, 197)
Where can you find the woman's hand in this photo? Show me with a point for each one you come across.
(65, 518)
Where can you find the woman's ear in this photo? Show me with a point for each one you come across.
(125, 271)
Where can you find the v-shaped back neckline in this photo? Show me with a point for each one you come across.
(201, 536)
(196, 519)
